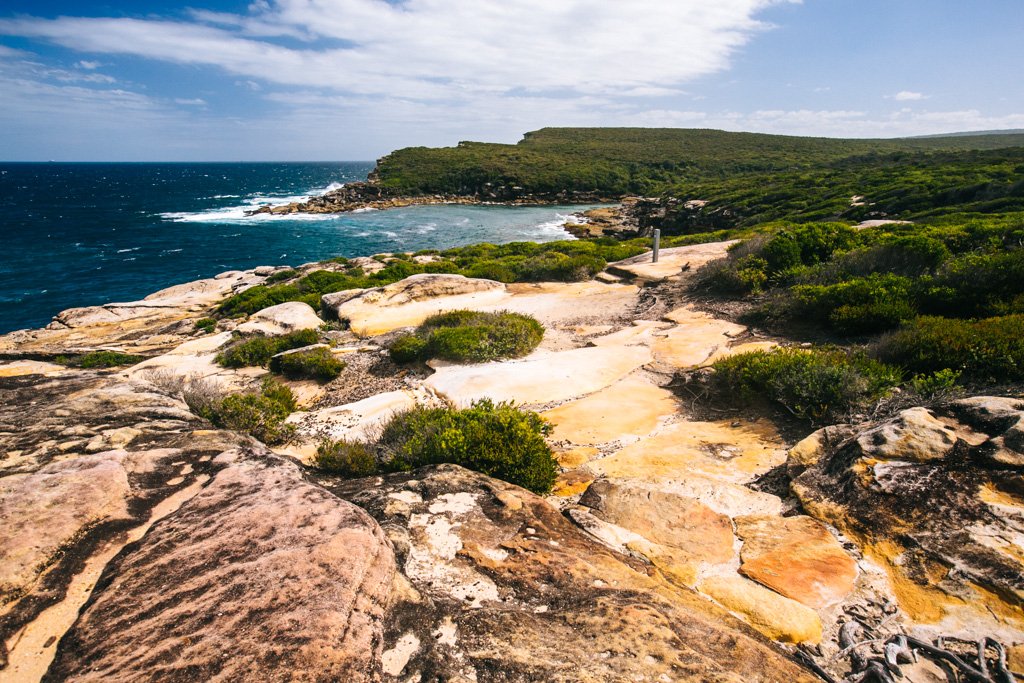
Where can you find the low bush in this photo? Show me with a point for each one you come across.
(258, 350)
(100, 359)
(860, 306)
(346, 458)
(206, 325)
(816, 384)
(281, 276)
(319, 364)
(991, 349)
(261, 415)
(470, 336)
(498, 440)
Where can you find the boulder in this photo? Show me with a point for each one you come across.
(810, 449)
(915, 434)
(290, 583)
(281, 319)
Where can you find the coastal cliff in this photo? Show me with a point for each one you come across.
(676, 544)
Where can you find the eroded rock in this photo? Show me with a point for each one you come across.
(289, 583)
(283, 318)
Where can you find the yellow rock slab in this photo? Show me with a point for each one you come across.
(574, 457)
(20, 368)
(557, 303)
(630, 407)
(572, 483)
(696, 338)
(773, 615)
(542, 377)
(714, 450)
(726, 351)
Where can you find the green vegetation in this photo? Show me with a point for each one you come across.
(99, 359)
(988, 350)
(261, 415)
(281, 276)
(706, 164)
(498, 440)
(818, 384)
(346, 458)
(206, 325)
(259, 349)
(469, 336)
(564, 261)
(319, 364)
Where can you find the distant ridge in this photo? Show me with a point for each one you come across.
(970, 133)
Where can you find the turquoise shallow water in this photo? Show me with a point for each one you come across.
(86, 234)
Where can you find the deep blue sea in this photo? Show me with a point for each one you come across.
(87, 234)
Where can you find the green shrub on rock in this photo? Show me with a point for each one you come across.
(100, 360)
(470, 336)
(817, 384)
(261, 415)
(258, 350)
(498, 440)
(206, 325)
(317, 363)
(346, 458)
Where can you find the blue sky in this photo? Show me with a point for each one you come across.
(354, 79)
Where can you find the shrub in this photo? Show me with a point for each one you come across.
(260, 415)
(258, 350)
(346, 458)
(407, 348)
(470, 336)
(817, 384)
(206, 325)
(319, 364)
(940, 383)
(859, 306)
(100, 359)
(498, 440)
(990, 349)
(555, 266)
(281, 275)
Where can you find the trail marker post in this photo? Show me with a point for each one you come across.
(657, 245)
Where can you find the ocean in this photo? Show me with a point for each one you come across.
(84, 234)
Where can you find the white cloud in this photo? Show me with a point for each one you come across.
(90, 65)
(437, 48)
(909, 96)
(194, 102)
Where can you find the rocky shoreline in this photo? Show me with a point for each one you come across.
(361, 196)
(139, 541)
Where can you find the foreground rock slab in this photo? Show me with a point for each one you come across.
(504, 588)
(290, 583)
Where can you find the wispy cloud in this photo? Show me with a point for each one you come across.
(909, 96)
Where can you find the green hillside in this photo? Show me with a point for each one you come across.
(620, 161)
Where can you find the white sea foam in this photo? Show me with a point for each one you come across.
(553, 228)
(237, 213)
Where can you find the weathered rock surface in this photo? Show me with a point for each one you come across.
(665, 518)
(631, 407)
(542, 377)
(796, 557)
(775, 616)
(154, 324)
(504, 588)
(281, 319)
(946, 522)
(410, 301)
(290, 583)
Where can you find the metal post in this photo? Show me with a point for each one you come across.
(657, 245)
